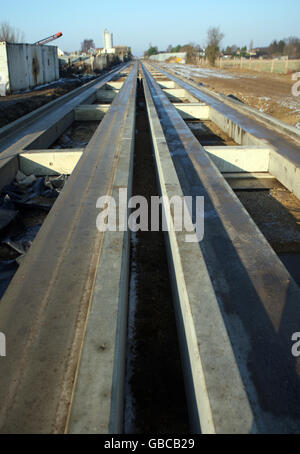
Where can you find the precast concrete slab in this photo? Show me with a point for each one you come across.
(239, 159)
(46, 162)
(193, 111)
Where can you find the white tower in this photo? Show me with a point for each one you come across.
(107, 39)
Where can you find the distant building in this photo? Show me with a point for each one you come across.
(123, 52)
(107, 40)
(176, 57)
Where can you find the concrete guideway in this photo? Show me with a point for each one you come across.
(237, 310)
(65, 312)
(45, 309)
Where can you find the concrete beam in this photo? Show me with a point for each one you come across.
(109, 87)
(179, 93)
(287, 170)
(167, 84)
(233, 130)
(240, 159)
(247, 175)
(50, 162)
(97, 406)
(91, 112)
(114, 85)
(193, 111)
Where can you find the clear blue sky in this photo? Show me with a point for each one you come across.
(162, 22)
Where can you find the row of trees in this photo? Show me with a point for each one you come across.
(289, 46)
(285, 47)
(214, 39)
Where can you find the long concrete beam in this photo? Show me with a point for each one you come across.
(44, 312)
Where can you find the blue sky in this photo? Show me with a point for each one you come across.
(162, 22)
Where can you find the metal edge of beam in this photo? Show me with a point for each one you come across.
(44, 310)
(257, 298)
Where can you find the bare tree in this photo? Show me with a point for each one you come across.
(214, 38)
(10, 34)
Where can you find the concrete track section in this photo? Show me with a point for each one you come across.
(56, 297)
(237, 305)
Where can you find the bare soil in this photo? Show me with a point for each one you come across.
(277, 214)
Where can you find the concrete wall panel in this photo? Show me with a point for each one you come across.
(24, 66)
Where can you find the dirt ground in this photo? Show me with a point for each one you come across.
(269, 93)
(277, 214)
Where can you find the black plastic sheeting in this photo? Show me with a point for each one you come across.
(20, 199)
(7, 271)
